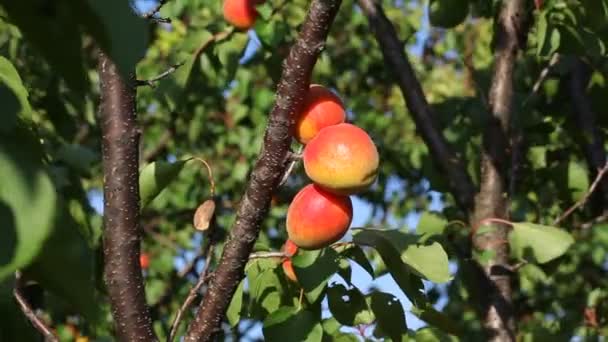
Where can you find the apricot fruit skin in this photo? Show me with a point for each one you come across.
(317, 218)
(288, 270)
(342, 159)
(290, 248)
(322, 108)
(144, 261)
(240, 13)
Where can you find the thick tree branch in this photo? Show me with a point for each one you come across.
(122, 233)
(448, 162)
(496, 301)
(267, 172)
(591, 137)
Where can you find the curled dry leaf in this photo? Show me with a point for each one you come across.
(203, 215)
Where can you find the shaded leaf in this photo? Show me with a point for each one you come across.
(27, 201)
(291, 324)
(313, 269)
(236, 305)
(52, 28)
(348, 306)
(389, 314)
(155, 177)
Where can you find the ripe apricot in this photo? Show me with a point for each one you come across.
(317, 218)
(288, 270)
(342, 158)
(241, 13)
(322, 108)
(144, 260)
(290, 248)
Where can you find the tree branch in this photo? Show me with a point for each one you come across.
(122, 233)
(449, 163)
(27, 310)
(268, 169)
(496, 301)
(151, 82)
(591, 137)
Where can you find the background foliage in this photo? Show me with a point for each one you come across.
(215, 107)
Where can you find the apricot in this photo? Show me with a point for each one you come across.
(241, 13)
(342, 158)
(290, 249)
(144, 260)
(317, 218)
(288, 270)
(322, 108)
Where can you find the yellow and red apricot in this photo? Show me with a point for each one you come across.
(322, 108)
(342, 159)
(241, 13)
(290, 249)
(317, 218)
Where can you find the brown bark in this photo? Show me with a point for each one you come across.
(122, 233)
(448, 162)
(492, 200)
(267, 172)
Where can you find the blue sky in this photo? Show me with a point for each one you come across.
(362, 210)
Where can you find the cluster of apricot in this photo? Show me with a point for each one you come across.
(341, 160)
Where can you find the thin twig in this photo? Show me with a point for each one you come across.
(265, 255)
(600, 219)
(542, 77)
(600, 174)
(29, 312)
(209, 175)
(291, 166)
(164, 74)
(193, 292)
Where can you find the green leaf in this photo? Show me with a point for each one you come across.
(266, 292)
(431, 334)
(408, 282)
(431, 224)
(27, 201)
(578, 181)
(355, 253)
(291, 324)
(65, 266)
(52, 28)
(78, 157)
(389, 314)
(348, 306)
(236, 305)
(13, 95)
(538, 243)
(428, 261)
(313, 269)
(155, 177)
(121, 34)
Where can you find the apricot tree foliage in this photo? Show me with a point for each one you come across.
(486, 116)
